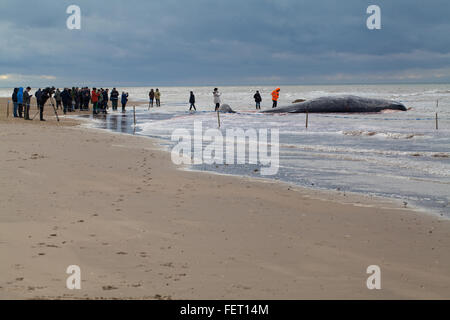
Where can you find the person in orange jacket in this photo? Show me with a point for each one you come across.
(275, 96)
(94, 98)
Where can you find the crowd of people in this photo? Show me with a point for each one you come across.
(70, 100)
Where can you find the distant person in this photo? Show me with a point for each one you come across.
(26, 103)
(14, 99)
(275, 96)
(85, 97)
(216, 95)
(80, 98)
(151, 97)
(105, 100)
(100, 100)
(69, 100)
(114, 98)
(74, 99)
(158, 98)
(192, 101)
(20, 101)
(94, 100)
(37, 95)
(258, 100)
(58, 99)
(65, 98)
(45, 95)
(124, 100)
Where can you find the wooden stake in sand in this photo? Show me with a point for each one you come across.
(437, 120)
(7, 110)
(307, 119)
(218, 118)
(134, 119)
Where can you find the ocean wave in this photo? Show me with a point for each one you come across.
(348, 150)
(391, 135)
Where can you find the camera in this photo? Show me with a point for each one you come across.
(46, 94)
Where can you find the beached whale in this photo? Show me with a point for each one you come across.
(226, 109)
(335, 104)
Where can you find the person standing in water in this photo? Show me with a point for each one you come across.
(124, 100)
(100, 100)
(94, 99)
(151, 97)
(258, 100)
(275, 96)
(158, 98)
(216, 95)
(114, 98)
(192, 101)
(105, 100)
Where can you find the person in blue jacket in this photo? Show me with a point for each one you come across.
(20, 101)
(124, 100)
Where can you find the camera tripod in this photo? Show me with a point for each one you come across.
(54, 109)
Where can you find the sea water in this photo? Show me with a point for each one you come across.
(398, 155)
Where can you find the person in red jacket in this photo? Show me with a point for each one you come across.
(275, 96)
(94, 99)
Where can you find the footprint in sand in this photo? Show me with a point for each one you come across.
(168, 264)
(109, 288)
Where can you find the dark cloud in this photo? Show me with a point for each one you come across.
(223, 41)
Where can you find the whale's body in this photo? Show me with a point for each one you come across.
(225, 108)
(337, 104)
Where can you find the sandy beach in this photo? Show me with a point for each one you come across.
(141, 228)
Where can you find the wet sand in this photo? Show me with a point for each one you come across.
(140, 228)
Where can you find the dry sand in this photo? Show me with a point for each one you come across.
(138, 227)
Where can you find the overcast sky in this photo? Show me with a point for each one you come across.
(219, 42)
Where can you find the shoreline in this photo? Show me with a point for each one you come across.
(140, 228)
(77, 119)
(326, 193)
